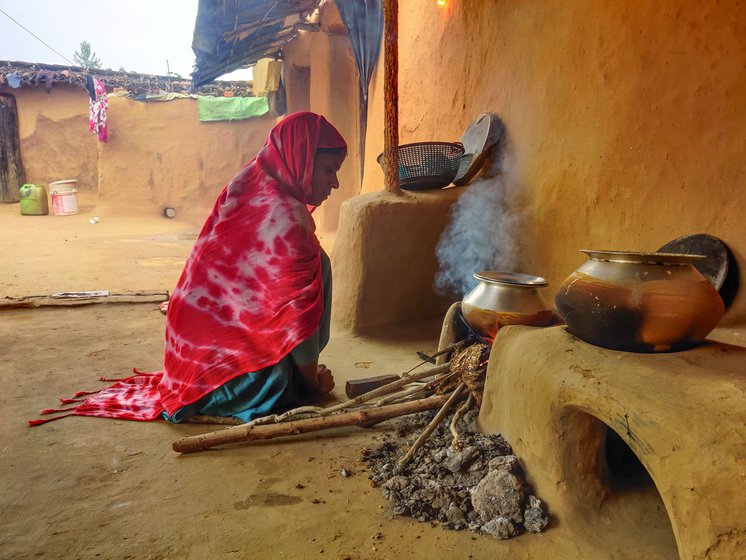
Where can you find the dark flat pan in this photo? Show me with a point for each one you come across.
(719, 267)
(480, 141)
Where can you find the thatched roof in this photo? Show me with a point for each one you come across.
(232, 34)
(36, 74)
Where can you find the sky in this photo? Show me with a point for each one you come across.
(138, 35)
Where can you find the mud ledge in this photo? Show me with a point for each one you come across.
(384, 258)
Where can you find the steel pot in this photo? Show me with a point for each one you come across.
(641, 302)
(505, 298)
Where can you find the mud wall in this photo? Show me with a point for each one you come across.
(625, 119)
(158, 153)
(55, 141)
(321, 77)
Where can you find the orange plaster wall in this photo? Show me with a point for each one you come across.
(334, 95)
(332, 84)
(159, 155)
(625, 119)
(55, 141)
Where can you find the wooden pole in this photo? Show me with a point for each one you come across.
(243, 433)
(433, 424)
(391, 96)
(12, 175)
(144, 296)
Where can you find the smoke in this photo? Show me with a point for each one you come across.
(480, 236)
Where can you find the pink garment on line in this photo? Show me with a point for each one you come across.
(97, 117)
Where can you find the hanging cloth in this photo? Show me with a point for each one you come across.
(97, 115)
(14, 80)
(251, 289)
(90, 86)
(364, 22)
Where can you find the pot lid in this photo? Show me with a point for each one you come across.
(480, 140)
(511, 278)
(642, 258)
(719, 267)
(715, 265)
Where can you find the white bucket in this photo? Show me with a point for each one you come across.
(65, 203)
(64, 197)
(66, 185)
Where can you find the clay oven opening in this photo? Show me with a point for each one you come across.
(613, 488)
(623, 469)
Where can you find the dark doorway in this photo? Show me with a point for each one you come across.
(12, 176)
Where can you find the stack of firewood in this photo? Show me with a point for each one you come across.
(460, 378)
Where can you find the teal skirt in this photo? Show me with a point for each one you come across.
(248, 396)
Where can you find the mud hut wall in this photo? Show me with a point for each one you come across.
(322, 77)
(625, 119)
(54, 137)
(159, 155)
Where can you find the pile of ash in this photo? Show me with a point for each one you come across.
(480, 486)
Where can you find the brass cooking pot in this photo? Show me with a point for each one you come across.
(505, 298)
(640, 302)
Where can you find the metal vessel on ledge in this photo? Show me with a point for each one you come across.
(505, 298)
(640, 302)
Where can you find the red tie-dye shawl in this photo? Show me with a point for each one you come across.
(250, 290)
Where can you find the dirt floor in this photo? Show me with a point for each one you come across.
(97, 488)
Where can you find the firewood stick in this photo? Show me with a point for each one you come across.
(242, 433)
(432, 425)
(145, 296)
(407, 394)
(223, 420)
(277, 418)
(405, 379)
(436, 355)
(319, 411)
(400, 395)
(456, 442)
(445, 350)
(420, 387)
(385, 390)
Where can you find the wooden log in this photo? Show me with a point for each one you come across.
(145, 296)
(406, 393)
(243, 433)
(385, 390)
(12, 175)
(456, 442)
(433, 424)
(405, 379)
(391, 96)
(220, 420)
(356, 387)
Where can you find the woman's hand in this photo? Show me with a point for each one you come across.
(317, 379)
(324, 379)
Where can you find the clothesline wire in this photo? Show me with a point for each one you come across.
(37, 37)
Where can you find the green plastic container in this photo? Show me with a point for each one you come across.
(34, 201)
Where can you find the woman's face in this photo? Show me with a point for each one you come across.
(324, 179)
